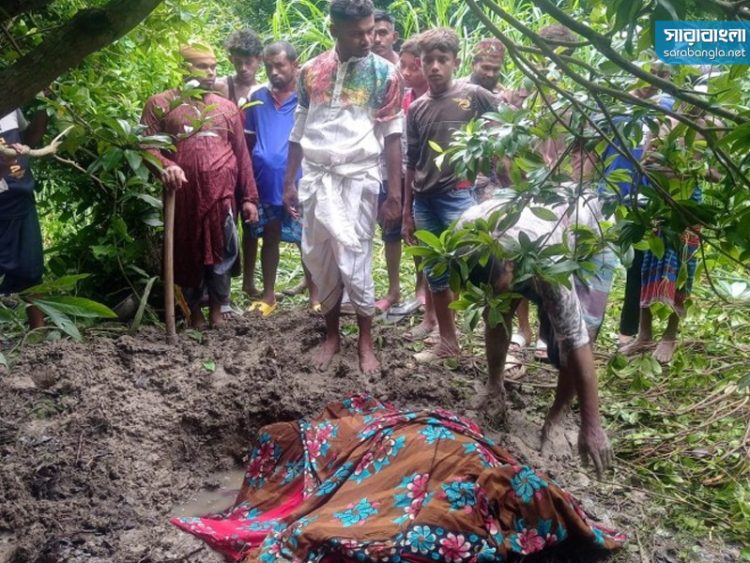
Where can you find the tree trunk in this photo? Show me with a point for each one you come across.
(88, 31)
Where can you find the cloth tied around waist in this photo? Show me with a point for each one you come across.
(337, 189)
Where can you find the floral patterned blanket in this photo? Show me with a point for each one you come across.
(366, 482)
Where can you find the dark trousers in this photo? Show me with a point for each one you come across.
(631, 306)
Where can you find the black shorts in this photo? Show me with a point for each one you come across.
(21, 255)
(394, 233)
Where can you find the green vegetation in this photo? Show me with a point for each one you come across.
(682, 430)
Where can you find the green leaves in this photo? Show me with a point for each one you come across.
(544, 213)
(60, 308)
(59, 319)
(76, 306)
(429, 239)
(64, 283)
(656, 245)
(135, 325)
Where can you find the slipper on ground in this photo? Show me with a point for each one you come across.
(519, 340)
(540, 352)
(265, 309)
(430, 357)
(515, 369)
(384, 305)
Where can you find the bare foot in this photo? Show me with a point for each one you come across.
(297, 289)
(368, 362)
(486, 394)
(433, 339)
(325, 352)
(227, 312)
(637, 346)
(252, 292)
(490, 402)
(420, 332)
(216, 318)
(384, 304)
(551, 428)
(624, 340)
(440, 352)
(665, 350)
(197, 319)
(554, 442)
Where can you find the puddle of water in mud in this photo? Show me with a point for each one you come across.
(209, 501)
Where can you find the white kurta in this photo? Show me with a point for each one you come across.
(341, 129)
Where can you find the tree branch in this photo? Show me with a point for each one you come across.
(88, 31)
(537, 77)
(9, 9)
(602, 44)
(612, 92)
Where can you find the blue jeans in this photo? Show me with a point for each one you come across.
(435, 213)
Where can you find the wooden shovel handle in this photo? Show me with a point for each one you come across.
(169, 265)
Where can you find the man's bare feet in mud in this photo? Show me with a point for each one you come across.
(227, 312)
(665, 350)
(624, 340)
(554, 442)
(197, 318)
(297, 289)
(216, 318)
(420, 332)
(368, 362)
(252, 292)
(490, 403)
(325, 352)
(442, 351)
(637, 346)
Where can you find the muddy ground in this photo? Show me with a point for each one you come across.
(101, 442)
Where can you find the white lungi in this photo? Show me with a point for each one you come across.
(339, 211)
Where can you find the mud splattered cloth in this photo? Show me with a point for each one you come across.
(366, 482)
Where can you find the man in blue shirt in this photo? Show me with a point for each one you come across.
(268, 122)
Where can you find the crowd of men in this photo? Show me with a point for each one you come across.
(322, 154)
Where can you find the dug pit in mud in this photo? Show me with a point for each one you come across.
(101, 442)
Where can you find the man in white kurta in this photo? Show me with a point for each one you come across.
(348, 113)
